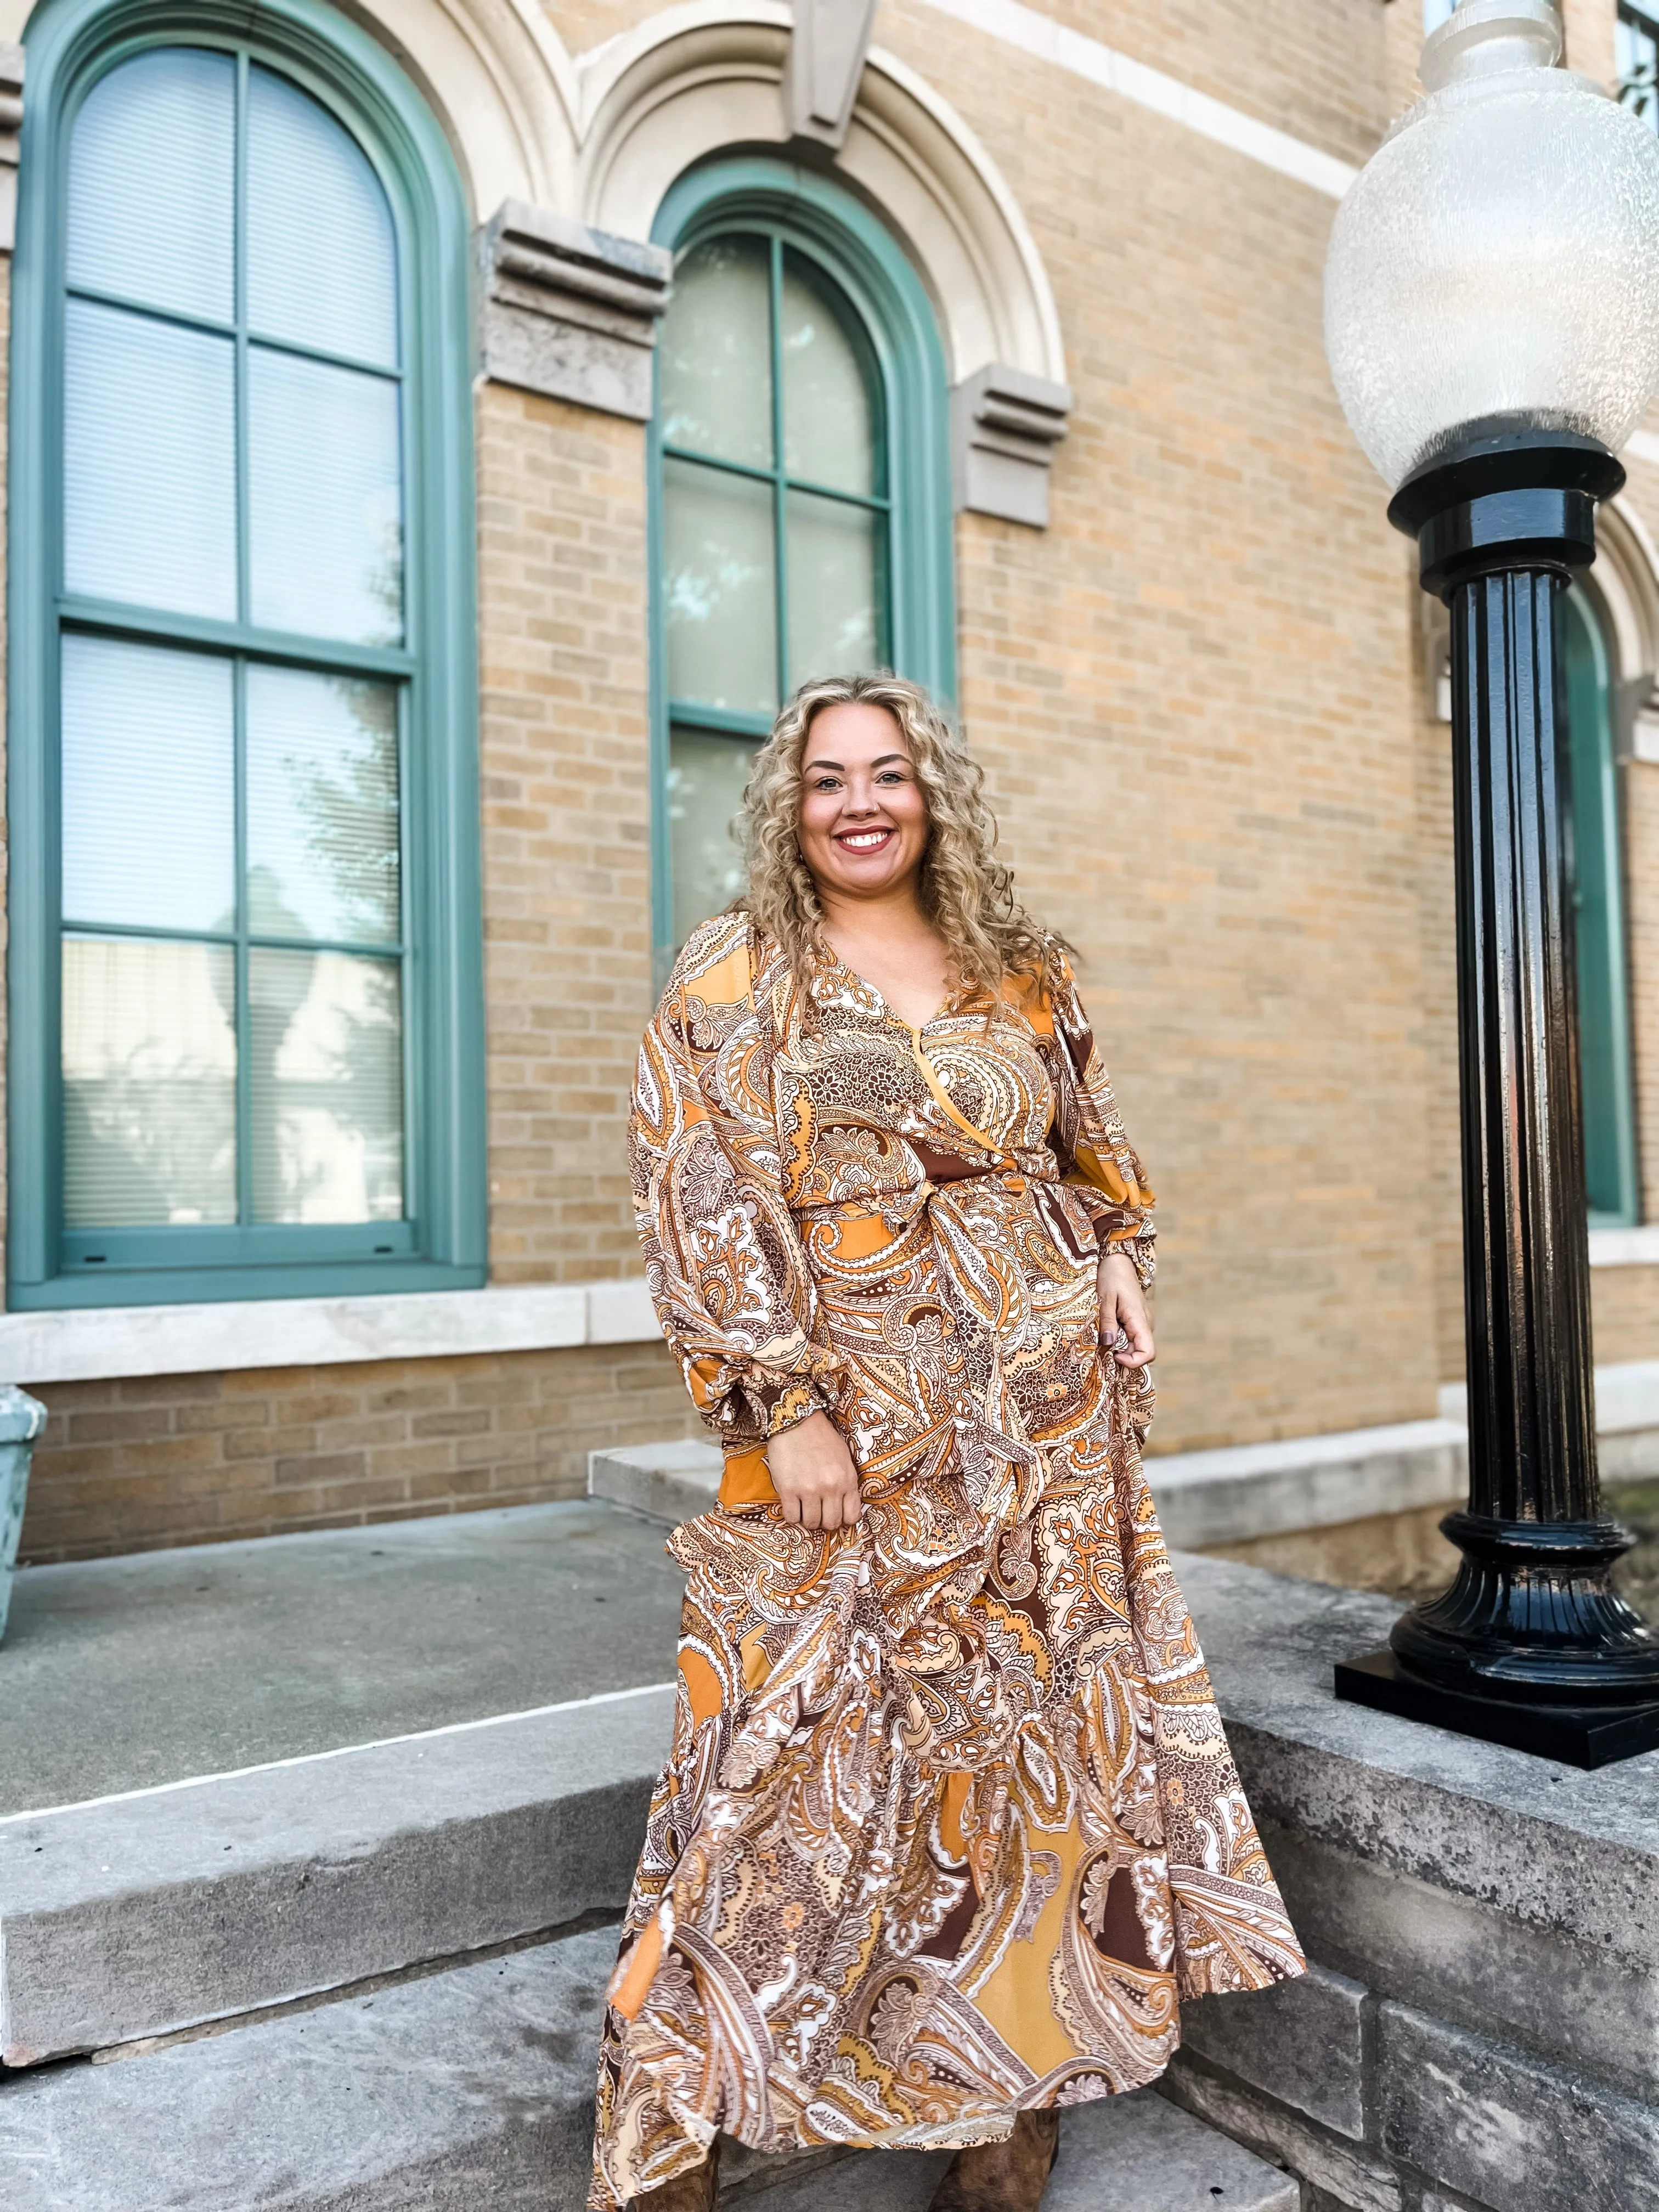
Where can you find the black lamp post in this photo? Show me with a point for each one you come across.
(1492, 321)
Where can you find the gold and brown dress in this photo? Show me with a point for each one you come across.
(949, 1826)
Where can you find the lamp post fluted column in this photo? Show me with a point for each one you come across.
(1530, 1645)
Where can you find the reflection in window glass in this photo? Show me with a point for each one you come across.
(325, 1087)
(718, 565)
(828, 430)
(158, 233)
(324, 500)
(714, 359)
(322, 807)
(149, 1084)
(834, 585)
(706, 777)
(149, 787)
(149, 463)
(321, 268)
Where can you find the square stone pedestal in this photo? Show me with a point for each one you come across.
(1482, 2025)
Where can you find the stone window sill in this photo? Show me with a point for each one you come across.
(94, 1344)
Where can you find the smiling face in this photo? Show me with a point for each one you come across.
(863, 814)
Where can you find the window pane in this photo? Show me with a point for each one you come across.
(149, 787)
(321, 262)
(149, 1079)
(829, 434)
(718, 539)
(715, 352)
(836, 588)
(322, 807)
(149, 463)
(151, 184)
(325, 1084)
(706, 777)
(1599, 928)
(325, 519)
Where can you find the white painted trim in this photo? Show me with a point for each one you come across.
(98, 1343)
(341, 1751)
(1040, 36)
(1625, 1248)
(1626, 1398)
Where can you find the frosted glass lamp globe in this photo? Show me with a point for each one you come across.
(1495, 266)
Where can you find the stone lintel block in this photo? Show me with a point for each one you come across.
(143, 1915)
(1302, 2043)
(568, 312)
(1508, 2131)
(1005, 424)
(1454, 1957)
(1356, 2176)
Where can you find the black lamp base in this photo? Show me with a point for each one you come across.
(1572, 1735)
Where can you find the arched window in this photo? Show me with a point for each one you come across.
(245, 907)
(1599, 919)
(802, 490)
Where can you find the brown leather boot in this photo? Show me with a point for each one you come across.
(1002, 2177)
(693, 2190)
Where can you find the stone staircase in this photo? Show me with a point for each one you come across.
(363, 1975)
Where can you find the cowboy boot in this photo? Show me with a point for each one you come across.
(693, 2190)
(1003, 2176)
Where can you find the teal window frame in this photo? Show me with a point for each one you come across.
(441, 1242)
(1595, 857)
(798, 208)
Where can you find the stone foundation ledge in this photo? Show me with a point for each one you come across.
(1481, 2025)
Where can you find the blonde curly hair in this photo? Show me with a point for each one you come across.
(966, 892)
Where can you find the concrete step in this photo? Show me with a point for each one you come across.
(148, 1914)
(475, 2087)
(1203, 1497)
(325, 1859)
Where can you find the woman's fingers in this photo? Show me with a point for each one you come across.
(813, 1475)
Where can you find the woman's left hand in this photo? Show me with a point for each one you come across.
(1126, 1327)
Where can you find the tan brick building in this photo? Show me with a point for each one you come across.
(1032, 295)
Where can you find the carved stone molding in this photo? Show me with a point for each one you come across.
(11, 125)
(568, 312)
(1004, 425)
(827, 51)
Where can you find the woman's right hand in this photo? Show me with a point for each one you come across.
(813, 1475)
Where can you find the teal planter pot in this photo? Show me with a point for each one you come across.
(21, 1419)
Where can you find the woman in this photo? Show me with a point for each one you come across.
(949, 1825)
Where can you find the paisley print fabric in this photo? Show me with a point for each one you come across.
(949, 1827)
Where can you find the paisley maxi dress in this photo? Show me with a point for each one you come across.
(949, 1826)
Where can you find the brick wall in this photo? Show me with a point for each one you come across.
(186, 1458)
(567, 827)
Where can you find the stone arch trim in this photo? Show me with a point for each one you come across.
(709, 75)
(1623, 583)
(495, 76)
